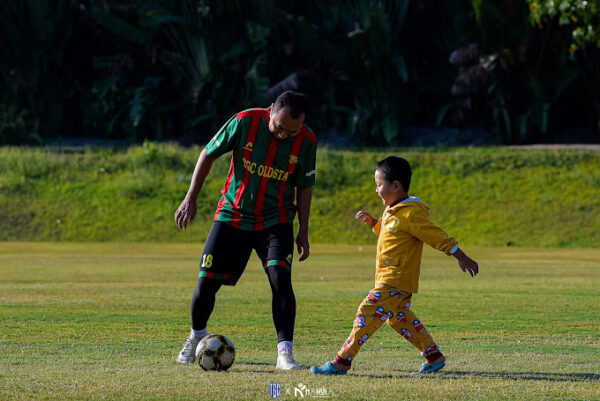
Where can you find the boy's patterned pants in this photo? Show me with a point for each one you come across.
(386, 303)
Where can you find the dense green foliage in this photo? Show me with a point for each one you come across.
(582, 16)
(484, 196)
(375, 69)
(105, 321)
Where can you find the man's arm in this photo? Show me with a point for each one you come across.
(303, 200)
(188, 208)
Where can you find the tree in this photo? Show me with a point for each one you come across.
(581, 19)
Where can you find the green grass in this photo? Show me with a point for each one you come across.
(105, 321)
(492, 196)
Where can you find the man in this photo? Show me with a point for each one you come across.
(272, 164)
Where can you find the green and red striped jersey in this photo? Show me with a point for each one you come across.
(260, 189)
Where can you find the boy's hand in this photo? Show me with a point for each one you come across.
(467, 264)
(366, 217)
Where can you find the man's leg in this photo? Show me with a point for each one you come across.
(219, 265)
(203, 303)
(283, 302)
(283, 306)
(275, 247)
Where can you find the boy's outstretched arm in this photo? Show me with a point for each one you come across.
(366, 217)
(467, 264)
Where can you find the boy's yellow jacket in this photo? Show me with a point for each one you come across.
(402, 230)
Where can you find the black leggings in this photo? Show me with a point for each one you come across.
(283, 303)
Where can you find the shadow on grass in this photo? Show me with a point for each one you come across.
(255, 363)
(447, 375)
(253, 367)
(533, 376)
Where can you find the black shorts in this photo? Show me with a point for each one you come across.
(227, 250)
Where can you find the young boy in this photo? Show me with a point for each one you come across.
(402, 229)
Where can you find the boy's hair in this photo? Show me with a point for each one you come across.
(297, 103)
(396, 168)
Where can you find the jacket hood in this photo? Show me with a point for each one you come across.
(410, 202)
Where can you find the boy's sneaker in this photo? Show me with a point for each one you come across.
(188, 353)
(430, 368)
(285, 361)
(328, 369)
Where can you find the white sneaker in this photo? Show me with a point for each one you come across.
(188, 353)
(285, 361)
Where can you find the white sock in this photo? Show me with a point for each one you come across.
(285, 347)
(199, 334)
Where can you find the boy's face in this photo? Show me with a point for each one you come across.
(389, 192)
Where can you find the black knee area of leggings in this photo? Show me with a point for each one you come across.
(283, 303)
(203, 301)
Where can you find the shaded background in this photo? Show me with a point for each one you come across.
(420, 72)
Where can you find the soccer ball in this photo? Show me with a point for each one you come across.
(215, 352)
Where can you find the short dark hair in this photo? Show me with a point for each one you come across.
(396, 168)
(296, 102)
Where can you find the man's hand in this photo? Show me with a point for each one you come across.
(303, 246)
(185, 213)
(303, 199)
(467, 264)
(188, 208)
(366, 217)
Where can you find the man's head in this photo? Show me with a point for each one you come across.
(287, 114)
(392, 178)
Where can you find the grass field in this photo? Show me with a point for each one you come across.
(105, 321)
(489, 196)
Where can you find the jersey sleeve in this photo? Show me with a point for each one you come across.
(307, 167)
(224, 140)
(421, 227)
